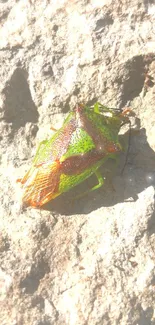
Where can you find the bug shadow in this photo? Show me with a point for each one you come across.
(138, 174)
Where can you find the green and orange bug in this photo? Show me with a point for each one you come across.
(88, 137)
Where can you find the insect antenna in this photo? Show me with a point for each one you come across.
(128, 148)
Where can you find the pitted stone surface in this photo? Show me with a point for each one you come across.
(91, 261)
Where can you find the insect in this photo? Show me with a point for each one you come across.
(88, 137)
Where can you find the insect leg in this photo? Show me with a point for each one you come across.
(53, 129)
(41, 144)
(100, 181)
(97, 107)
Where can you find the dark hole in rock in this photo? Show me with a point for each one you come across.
(19, 107)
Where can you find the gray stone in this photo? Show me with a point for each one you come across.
(91, 261)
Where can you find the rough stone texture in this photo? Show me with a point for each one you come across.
(92, 261)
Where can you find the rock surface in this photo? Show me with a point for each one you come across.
(92, 262)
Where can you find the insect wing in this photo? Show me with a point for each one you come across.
(42, 184)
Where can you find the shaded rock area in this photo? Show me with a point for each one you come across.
(90, 261)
